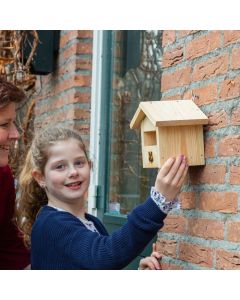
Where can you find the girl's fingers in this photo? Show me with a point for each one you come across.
(155, 263)
(175, 169)
(166, 167)
(181, 180)
(154, 247)
(181, 173)
(156, 254)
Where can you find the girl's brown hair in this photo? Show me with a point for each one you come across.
(31, 197)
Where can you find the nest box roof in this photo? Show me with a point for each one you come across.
(169, 113)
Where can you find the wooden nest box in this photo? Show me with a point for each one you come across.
(170, 128)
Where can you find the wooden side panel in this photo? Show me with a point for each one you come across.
(187, 140)
(147, 125)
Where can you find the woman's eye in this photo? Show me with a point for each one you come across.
(4, 125)
(59, 167)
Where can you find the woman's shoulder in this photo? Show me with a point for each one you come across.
(5, 173)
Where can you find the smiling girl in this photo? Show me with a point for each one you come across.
(52, 214)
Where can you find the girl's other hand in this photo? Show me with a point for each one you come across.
(151, 262)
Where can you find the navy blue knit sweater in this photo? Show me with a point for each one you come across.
(60, 241)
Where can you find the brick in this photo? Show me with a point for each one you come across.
(85, 34)
(170, 266)
(67, 37)
(204, 95)
(226, 260)
(188, 200)
(183, 33)
(235, 175)
(203, 45)
(229, 146)
(169, 37)
(235, 58)
(217, 120)
(230, 88)
(235, 118)
(173, 57)
(84, 129)
(84, 64)
(225, 202)
(233, 231)
(210, 68)
(231, 36)
(174, 224)
(70, 98)
(71, 114)
(206, 228)
(175, 79)
(78, 48)
(167, 247)
(196, 254)
(210, 174)
(174, 97)
(209, 147)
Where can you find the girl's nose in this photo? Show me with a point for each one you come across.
(13, 133)
(73, 172)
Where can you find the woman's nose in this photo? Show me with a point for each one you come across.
(13, 133)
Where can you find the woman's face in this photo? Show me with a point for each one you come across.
(8, 131)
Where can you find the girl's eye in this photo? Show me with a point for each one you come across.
(80, 163)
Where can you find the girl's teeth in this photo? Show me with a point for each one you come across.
(74, 184)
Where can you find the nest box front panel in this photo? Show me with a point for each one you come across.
(187, 140)
(150, 155)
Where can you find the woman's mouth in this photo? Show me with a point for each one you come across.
(5, 148)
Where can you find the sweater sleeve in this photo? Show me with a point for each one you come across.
(92, 251)
(13, 254)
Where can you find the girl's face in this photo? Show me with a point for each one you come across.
(67, 172)
(8, 131)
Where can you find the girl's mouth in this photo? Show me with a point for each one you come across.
(74, 185)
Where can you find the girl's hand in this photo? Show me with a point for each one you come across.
(151, 262)
(171, 176)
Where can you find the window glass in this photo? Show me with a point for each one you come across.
(136, 72)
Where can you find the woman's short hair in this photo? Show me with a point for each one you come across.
(9, 93)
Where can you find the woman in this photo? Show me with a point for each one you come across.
(13, 254)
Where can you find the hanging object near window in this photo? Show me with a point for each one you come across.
(14, 67)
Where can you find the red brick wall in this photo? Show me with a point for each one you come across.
(206, 232)
(64, 96)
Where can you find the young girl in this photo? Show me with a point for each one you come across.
(53, 184)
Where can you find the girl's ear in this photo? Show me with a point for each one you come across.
(37, 175)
